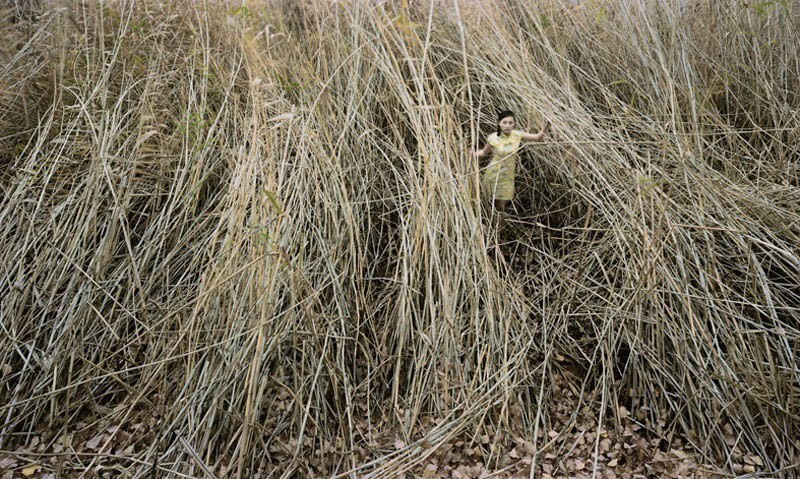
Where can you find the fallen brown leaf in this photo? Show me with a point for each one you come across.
(94, 442)
(31, 470)
(429, 472)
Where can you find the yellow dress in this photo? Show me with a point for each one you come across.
(498, 176)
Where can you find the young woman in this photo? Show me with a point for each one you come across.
(497, 181)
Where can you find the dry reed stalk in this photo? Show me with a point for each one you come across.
(259, 225)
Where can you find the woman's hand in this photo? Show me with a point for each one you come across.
(483, 152)
(537, 136)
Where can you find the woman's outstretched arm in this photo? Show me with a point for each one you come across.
(484, 152)
(537, 136)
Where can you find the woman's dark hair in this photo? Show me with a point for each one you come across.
(503, 114)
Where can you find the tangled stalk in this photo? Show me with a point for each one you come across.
(259, 224)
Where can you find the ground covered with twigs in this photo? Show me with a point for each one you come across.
(574, 445)
(246, 240)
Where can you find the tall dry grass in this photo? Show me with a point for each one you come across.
(260, 222)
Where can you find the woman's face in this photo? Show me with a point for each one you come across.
(506, 125)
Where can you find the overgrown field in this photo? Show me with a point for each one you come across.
(245, 239)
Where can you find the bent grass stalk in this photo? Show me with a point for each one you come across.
(261, 226)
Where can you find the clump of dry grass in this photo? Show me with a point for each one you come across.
(259, 223)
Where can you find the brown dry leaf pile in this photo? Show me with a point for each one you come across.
(574, 446)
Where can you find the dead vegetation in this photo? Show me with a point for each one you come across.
(236, 240)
